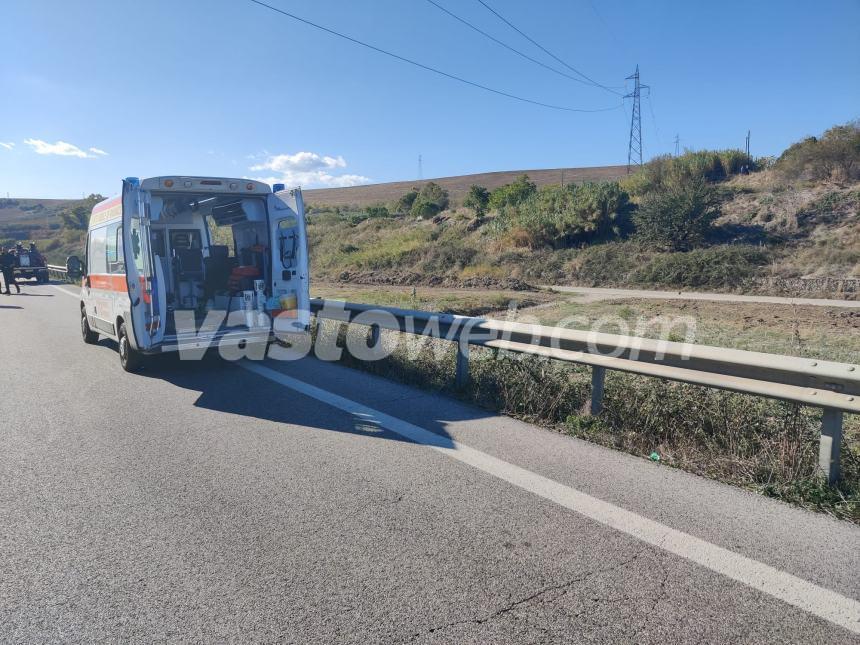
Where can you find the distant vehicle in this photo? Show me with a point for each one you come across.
(30, 264)
(153, 270)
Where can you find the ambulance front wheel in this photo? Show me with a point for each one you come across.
(129, 358)
(90, 337)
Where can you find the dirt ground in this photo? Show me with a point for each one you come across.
(828, 333)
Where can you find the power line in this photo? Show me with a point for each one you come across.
(653, 118)
(544, 49)
(427, 67)
(505, 45)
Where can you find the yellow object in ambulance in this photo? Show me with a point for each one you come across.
(289, 305)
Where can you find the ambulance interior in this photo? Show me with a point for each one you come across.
(208, 251)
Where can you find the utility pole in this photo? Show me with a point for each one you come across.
(677, 145)
(748, 144)
(420, 168)
(634, 149)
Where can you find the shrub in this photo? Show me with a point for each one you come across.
(836, 155)
(715, 267)
(512, 194)
(679, 217)
(377, 211)
(563, 216)
(477, 199)
(664, 171)
(605, 264)
(404, 204)
(431, 200)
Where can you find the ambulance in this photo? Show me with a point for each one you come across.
(188, 263)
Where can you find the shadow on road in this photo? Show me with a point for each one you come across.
(10, 307)
(225, 387)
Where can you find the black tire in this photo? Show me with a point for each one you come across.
(90, 337)
(130, 359)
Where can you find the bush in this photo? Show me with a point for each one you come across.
(678, 217)
(431, 200)
(664, 171)
(404, 204)
(561, 217)
(607, 264)
(512, 194)
(715, 267)
(377, 211)
(477, 199)
(836, 155)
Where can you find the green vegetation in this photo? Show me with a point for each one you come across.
(559, 217)
(836, 155)
(477, 199)
(512, 194)
(705, 219)
(679, 217)
(431, 200)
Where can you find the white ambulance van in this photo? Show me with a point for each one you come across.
(186, 263)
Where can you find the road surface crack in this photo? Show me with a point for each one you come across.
(532, 599)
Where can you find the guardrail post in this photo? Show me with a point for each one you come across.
(831, 444)
(598, 375)
(461, 375)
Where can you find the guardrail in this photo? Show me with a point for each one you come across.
(834, 387)
(57, 271)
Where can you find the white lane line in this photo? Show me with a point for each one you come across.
(66, 291)
(807, 596)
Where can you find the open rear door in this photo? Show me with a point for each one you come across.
(290, 282)
(146, 319)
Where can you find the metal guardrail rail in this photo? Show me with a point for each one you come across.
(57, 271)
(832, 386)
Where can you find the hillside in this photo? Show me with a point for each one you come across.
(25, 220)
(457, 187)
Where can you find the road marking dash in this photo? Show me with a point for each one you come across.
(818, 601)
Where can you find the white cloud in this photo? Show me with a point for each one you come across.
(62, 149)
(308, 169)
(8, 145)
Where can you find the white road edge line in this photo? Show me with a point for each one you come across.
(809, 597)
(66, 291)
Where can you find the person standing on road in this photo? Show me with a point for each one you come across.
(7, 264)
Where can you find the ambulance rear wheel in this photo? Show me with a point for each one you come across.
(129, 358)
(90, 337)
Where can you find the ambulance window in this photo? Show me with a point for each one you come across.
(98, 257)
(136, 251)
(114, 250)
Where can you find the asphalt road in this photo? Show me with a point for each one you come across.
(592, 294)
(303, 502)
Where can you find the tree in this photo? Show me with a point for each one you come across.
(430, 201)
(680, 216)
(404, 204)
(78, 217)
(477, 199)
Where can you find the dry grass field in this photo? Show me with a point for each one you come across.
(456, 186)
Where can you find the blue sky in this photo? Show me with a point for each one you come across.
(95, 91)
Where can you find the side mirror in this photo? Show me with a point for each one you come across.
(74, 267)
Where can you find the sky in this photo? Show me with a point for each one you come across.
(98, 90)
